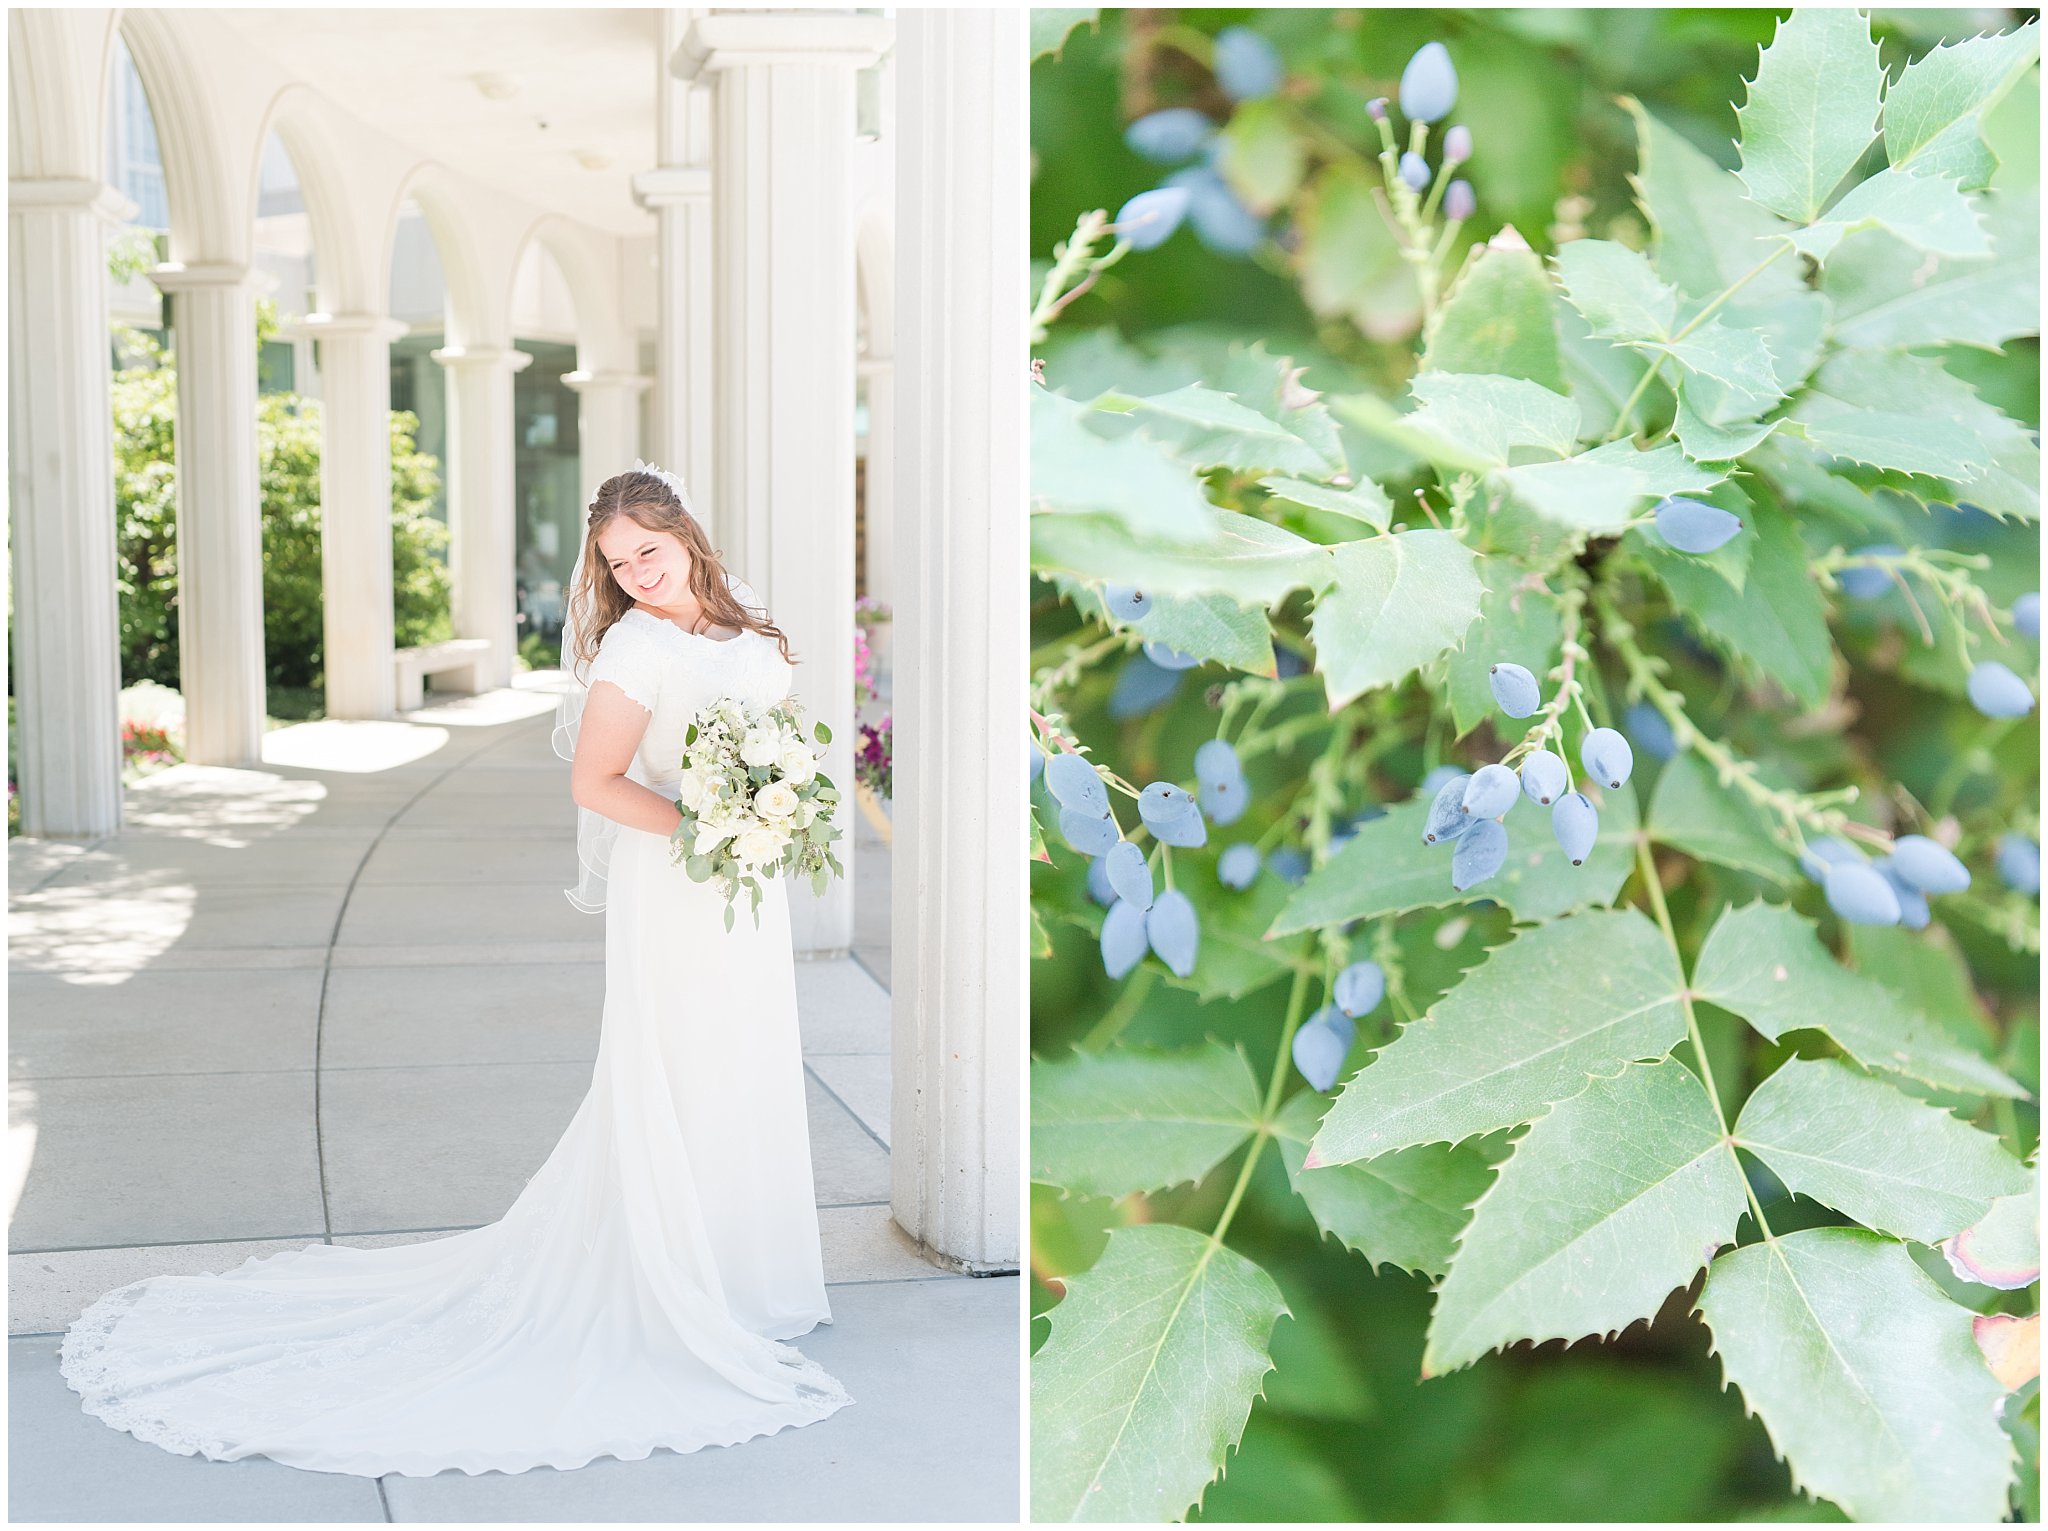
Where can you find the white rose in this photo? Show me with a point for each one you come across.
(777, 800)
(798, 764)
(759, 747)
(690, 789)
(757, 846)
(710, 835)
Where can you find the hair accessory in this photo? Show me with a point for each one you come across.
(672, 480)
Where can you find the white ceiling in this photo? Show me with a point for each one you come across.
(587, 74)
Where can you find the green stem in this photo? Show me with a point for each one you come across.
(1296, 998)
(1623, 421)
(1120, 1014)
(1646, 866)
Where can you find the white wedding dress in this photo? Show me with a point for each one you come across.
(631, 1298)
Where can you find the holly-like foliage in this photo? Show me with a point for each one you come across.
(1538, 728)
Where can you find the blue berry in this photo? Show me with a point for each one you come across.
(1545, 778)
(1247, 66)
(1173, 931)
(1360, 988)
(1457, 145)
(1216, 757)
(2019, 864)
(1861, 894)
(1607, 757)
(1148, 220)
(1447, 817)
(1223, 800)
(1415, 171)
(1092, 834)
(1223, 224)
(1170, 137)
(1127, 603)
(1514, 688)
(1288, 863)
(1491, 792)
(1168, 658)
(1694, 527)
(1826, 851)
(1238, 866)
(1576, 824)
(1429, 85)
(1321, 1045)
(1099, 886)
(1141, 687)
(1433, 783)
(1287, 664)
(1482, 850)
(2026, 614)
(1997, 692)
(1127, 873)
(1123, 939)
(1172, 815)
(1074, 784)
(1646, 725)
(1931, 868)
(1913, 911)
(1864, 583)
(1459, 201)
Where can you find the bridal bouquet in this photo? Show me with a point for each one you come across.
(753, 801)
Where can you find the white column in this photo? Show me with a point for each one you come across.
(481, 519)
(357, 619)
(220, 512)
(878, 369)
(67, 664)
(957, 971)
(607, 424)
(783, 343)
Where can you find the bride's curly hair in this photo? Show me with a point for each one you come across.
(653, 504)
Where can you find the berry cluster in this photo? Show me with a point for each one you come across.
(1325, 1038)
(1890, 891)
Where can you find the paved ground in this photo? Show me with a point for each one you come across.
(261, 1015)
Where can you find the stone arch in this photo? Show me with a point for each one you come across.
(208, 219)
(338, 274)
(600, 344)
(54, 127)
(473, 320)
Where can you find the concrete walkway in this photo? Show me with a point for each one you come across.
(343, 998)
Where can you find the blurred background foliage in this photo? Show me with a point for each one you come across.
(1637, 1428)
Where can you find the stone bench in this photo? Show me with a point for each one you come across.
(457, 654)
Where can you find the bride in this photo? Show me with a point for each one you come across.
(633, 1296)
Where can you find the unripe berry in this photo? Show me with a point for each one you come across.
(1360, 988)
(1457, 145)
(1861, 894)
(2026, 614)
(1545, 778)
(1930, 867)
(1482, 850)
(1865, 583)
(1173, 931)
(1415, 171)
(1493, 790)
(1123, 939)
(1576, 824)
(1459, 201)
(1321, 1045)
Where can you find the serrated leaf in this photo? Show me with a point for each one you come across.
(2003, 1248)
(1705, 442)
(1707, 233)
(1212, 627)
(1775, 626)
(1928, 212)
(1386, 869)
(1364, 501)
(2011, 1346)
(1854, 1143)
(1521, 626)
(1147, 1376)
(1397, 604)
(1498, 317)
(1402, 1209)
(1601, 490)
(1130, 1120)
(1887, 295)
(1694, 813)
(1892, 410)
(1469, 422)
(1736, 361)
(1557, 1005)
(1348, 264)
(1212, 429)
(1928, 971)
(1766, 964)
(1050, 27)
(1812, 110)
(1132, 478)
(1603, 374)
(1236, 958)
(1865, 1375)
(1264, 157)
(1934, 115)
(1617, 290)
(1243, 557)
(1616, 1197)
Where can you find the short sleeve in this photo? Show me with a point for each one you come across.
(629, 659)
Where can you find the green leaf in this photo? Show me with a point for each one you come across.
(1856, 1144)
(1211, 429)
(1708, 235)
(1128, 1120)
(2003, 1248)
(1617, 289)
(1050, 26)
(1601, 490)
(1812, 110)
(1146, 1379)
(1364, 501)
(1264, 158)
(1402, 1209)
(1131, 478)
(1694, 813)
(1212, 627)
(1611, 1201)
(1498, 317)
(1243, 557)
(1348, 265)
(1560, 1003)
(1934, 115)
(1704, 442)
(1865, 1375)
(1521, 626)
(1386, 869)
(1929, 212)
(1764, 963)
(1775, 626)
(1892, 410)
(1398, 603)
(1886, 295)
(1736, 361)
(1469, 421)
